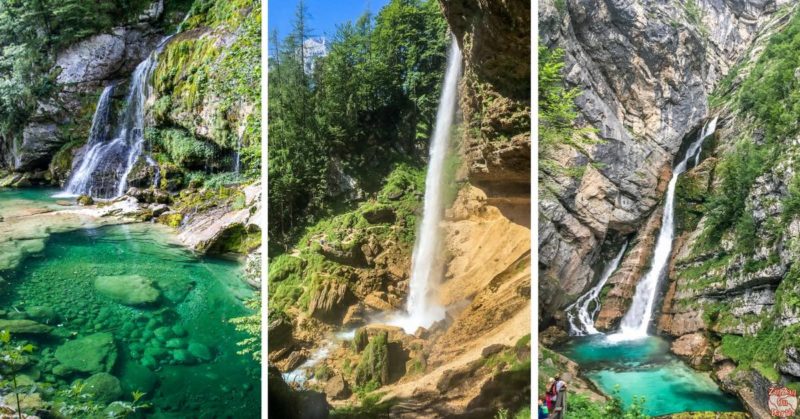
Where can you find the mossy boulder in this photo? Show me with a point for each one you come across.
(102, 387)
(25, 327)
(85, 200)
(92, 354)
(130, 290)
(171, 218)
(373, 367)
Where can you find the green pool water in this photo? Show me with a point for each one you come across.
(198, 297)
(646, 368)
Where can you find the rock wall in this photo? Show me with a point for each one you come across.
(64, 117)
(645, 70)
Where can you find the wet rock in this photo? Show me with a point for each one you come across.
(200, 351)
(102, 387)
(182, 356)
(337, 388)
(24, 327)
(131, 290)
(94, 353)
(294, 360)
(693, 346)
(43, 314)
(175, 343)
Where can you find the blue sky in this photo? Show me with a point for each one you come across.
(324, 14)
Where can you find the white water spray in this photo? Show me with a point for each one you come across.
(636, 321)
(103, 172)
(581, 320)
(425, 263)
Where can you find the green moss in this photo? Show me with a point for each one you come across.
(373, 367)
(173, 219)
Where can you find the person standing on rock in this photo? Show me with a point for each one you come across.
(559, 410)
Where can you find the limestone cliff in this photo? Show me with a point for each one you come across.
(645, 71)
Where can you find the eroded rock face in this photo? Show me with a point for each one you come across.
(645, 70)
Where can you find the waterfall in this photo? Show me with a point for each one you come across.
(581, 321)
(636, 321)
(425, 261)
(81, 177)
(237, 159)
(104, 169)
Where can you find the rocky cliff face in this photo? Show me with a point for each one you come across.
(645, 70)
(61, 120)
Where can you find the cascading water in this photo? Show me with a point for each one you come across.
(425, 262)
(237, 156)
(104, 169)
(581, 320)
(637, 320)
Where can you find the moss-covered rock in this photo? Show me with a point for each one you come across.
(373, 367)
(94, 353)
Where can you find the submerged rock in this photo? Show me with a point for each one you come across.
(94, 353)
(103, 387)
(131, 290)
(200, 351)
(24, 327)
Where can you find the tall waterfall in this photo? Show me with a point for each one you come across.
(637, 319)
(112, 151)
(425, 263)
(581, 320)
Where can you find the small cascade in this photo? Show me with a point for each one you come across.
(581, 319)
(237, 159)
(113, 150)
(425, 263)
(157, 174)
(637, 320)
(97, 145)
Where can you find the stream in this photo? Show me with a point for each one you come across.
(180, 350)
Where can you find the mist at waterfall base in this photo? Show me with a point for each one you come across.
(426, 265)
(637, 364)
(112, 149)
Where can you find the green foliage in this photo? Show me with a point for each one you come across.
(195, 71)
(772, 92)
(252, 326)
(557, 113)
(181, 147)
(791, 203)
(736, 173)
(12, 358)
(368, 104)
(582, 406)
